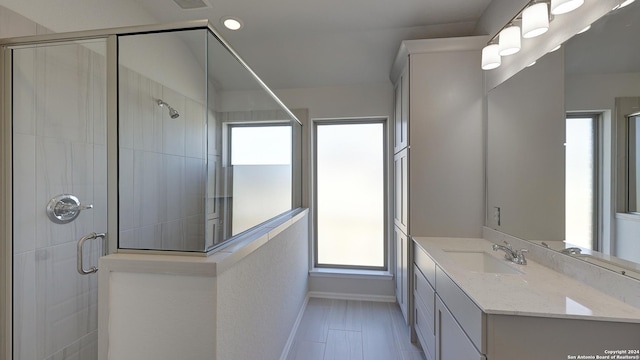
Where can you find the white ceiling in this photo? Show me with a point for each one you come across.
(316, 43)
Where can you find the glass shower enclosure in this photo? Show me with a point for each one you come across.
(133, 139)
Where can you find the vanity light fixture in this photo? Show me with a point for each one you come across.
(559, 7)
(584, 30)
(625, 3)
(491, 57)
(535, 20)
(232, 23)
(510, 42)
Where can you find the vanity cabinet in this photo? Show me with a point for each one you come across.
(452, 342)
(443, 335)
(449, 325)
(401, 246)
(438, 146)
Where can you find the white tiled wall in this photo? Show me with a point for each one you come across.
(59, 137)
(162, 167)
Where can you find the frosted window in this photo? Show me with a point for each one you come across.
(350, 194)
(579, 181)
(261, 160)
(261, 145)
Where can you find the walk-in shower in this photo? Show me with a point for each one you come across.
(91, 164)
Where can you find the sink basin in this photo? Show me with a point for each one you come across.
(481, 262)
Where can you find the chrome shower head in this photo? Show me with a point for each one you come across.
(173, 113)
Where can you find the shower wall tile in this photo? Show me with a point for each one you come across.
(214, 136)
(194, 129)
(149, 196)
(24, 295)
(195, 232)
(24, 188)
(24, 91)
(67, 300)
(162, 179)
(53, 174)
(127, 89)
(85, 348)
(149, 237)
(100, 188)
(98, 98)
(173, 139)
(174, 175)
(195, 185)
(64, 95)
(126, 188)
(127, 239)
(147, 122)
(173, 235)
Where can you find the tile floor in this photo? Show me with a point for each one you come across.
(353, 330)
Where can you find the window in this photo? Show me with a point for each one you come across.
(350, 175)
(581, 181)
(633, 170)
(261, 161)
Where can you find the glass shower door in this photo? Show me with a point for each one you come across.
(59, 196)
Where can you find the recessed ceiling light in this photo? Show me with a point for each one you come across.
(555, 48)
(232, 23)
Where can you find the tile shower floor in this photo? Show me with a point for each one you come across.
(349, 330)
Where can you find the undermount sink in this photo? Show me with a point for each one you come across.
(481, 262)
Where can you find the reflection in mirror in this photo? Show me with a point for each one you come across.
(205, 150)
(560, 136)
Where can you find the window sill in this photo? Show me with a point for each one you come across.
(628, 216)
(350, 273)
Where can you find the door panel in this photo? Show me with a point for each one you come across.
(59, 147)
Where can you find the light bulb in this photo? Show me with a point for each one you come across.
(510, 42)
(559, 7)
(535, 20)
(491, 57)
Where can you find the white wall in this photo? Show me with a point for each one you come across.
(598, 91)
(525, 152)
(171, 307)
(259, 297)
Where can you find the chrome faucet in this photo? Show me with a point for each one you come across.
(571, 251)
(515, 256)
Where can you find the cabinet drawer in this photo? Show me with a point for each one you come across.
(425, 264)
(463, 309)
(453, 343)
(424, 325)
(424, 291)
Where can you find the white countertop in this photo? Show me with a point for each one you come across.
(538, 291)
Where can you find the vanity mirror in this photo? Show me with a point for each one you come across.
(561, 158)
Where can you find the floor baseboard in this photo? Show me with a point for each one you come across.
(294, 330)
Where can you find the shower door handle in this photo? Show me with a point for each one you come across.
(81, 242)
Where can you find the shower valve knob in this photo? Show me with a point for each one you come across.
(65, 208)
